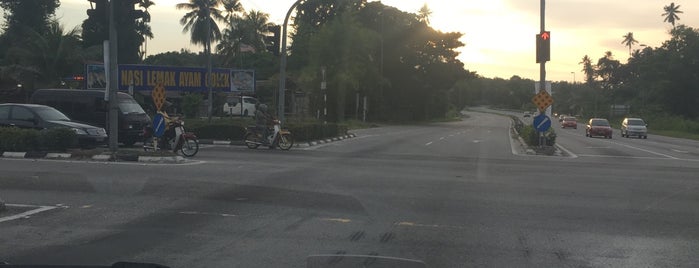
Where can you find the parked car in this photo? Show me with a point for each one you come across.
(598, 127)
(233, 106)
(35, 116)
(89, 107)
(634, 127)
(569, 122)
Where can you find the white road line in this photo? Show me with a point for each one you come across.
(207, 213)
(441, 139)
(647, 151)
(26, 213)
(680, 151)
(428, 144)
(572, 155)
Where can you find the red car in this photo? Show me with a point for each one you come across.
(598, 127)
(569, 122)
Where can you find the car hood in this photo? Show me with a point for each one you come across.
(71, 124)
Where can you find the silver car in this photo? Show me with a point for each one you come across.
(634, 127)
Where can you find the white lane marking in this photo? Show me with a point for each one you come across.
(441, 139)
(598, 147)
(680, 151)
(647, 151)
(207, 213)
(428, 144)
(637, 157)
(572, 155)
(25, 214)
(476, 141)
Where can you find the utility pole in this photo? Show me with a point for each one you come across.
(113, 80)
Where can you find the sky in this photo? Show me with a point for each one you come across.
(499, 34)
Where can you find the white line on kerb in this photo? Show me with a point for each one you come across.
(26, 213)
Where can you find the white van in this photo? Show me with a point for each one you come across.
(233, 106)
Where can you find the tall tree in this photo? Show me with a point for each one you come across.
(424, 14)
(200, 21)
(629, 41)
(202, 13)
(232, 8)
(671, 12)
(22, 16)
(588, 69)
(143, 26)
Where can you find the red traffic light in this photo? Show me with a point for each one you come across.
(545, 35)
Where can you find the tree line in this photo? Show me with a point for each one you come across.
(405, 68)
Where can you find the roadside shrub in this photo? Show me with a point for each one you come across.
(234, 129)
(18, 140)
(57, 139)
(531, 136)
(218, 131)
(27, 140)
(308, 131)
(191, 103)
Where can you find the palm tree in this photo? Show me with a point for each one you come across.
(671, 12)
(142, 26)
(202, 15)
(248, 30)
(629, 41)
(200, 21)
(588, 69)
(424, 14)
(233, 8)
(257, 24)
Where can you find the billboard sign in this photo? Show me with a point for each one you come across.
(186, 79)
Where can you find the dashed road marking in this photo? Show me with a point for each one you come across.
(428, 144)
(207, 213)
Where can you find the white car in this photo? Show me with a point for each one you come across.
(634, 127)
(233, 106)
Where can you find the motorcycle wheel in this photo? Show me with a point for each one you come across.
(190, 147)
(286, 141)
(251, 141)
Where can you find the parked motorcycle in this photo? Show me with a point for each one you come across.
(278, 137)
(175, 138)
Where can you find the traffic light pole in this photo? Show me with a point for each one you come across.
(542, 68)
(113, 80)
(282, 64)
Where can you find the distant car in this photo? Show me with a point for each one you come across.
(598, 127)
(569, 122)
(560, 117)
(233, 106)
(35, 116)
(634, 127)
(527, 114)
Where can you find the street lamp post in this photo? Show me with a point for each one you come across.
(282, 63)
(573, 77)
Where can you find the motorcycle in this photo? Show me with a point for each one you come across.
(175, 138)
(279, 137)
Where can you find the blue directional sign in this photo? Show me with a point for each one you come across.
(542, 122)
(158, 125)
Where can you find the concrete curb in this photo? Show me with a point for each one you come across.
(297, 145)
(98, 157)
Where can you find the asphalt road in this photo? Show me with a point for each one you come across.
(449, 194)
